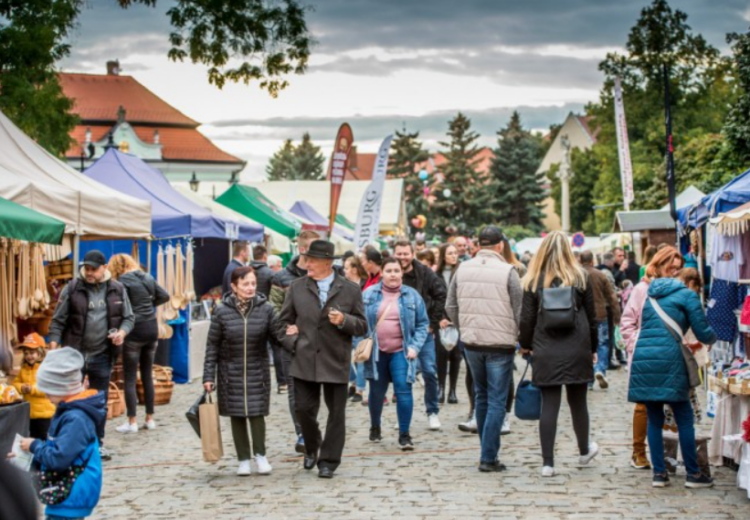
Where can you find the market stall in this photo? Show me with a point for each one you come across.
(305, 211)
(23, 295)
(179, 226)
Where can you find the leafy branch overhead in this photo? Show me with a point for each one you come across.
(240, 40)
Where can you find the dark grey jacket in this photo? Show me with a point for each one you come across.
(322, 352)
(144, 294)
(237, 357)
(263, 274)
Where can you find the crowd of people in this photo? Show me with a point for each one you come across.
(555, 308)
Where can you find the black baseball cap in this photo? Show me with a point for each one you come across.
(94, 259)
(490, 236)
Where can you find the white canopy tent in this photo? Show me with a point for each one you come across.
(317, 193)
(32, 177)
(279, 243)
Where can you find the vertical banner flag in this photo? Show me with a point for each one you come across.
(342, 148)
(623, 147)
(670, 149)
(368, 218)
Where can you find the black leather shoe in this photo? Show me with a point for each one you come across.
(441, 395)
(310, 461)
(325, 472)
(452, 399)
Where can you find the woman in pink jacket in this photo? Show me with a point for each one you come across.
(666, 264)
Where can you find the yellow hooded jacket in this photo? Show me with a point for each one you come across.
(41, 407)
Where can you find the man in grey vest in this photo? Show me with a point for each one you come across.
(484, 302)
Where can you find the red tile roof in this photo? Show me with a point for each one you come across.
(178, 144)
(362, 171)
(98, 98)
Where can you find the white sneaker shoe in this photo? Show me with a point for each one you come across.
(469, 426)
(264, 468)
(150, 425)
(127, 428)
(593, 452)
(434, 421)
(244, 470)
(505, 430)
(548, 471)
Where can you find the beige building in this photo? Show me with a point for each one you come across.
(581, 136)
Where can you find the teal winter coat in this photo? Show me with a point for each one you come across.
(658, 372)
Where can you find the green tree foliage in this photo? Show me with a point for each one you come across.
(519, 194)
(468, 205)
(737, 125)
(303, 162)
(245, 41)
(406, 154)
(701, 91)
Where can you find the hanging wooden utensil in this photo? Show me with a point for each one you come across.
(189, 282)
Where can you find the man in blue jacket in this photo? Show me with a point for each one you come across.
(72, 444)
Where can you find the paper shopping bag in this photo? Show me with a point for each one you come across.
(208, 415)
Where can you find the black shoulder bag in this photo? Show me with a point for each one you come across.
(558, 308)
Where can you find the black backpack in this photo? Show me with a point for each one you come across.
(558, 308)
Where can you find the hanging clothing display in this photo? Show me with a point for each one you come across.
(725, 298)
(726, 257)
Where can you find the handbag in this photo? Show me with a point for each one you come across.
(54, 487)
(193, 414)
(558, 309)
(528, 398)
(364, 348)
(687, 354)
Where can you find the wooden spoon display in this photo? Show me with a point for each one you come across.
(189, 282)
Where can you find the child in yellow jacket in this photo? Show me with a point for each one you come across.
(42, 410)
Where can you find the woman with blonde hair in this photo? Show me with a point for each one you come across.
(140, 345)
(558, 328)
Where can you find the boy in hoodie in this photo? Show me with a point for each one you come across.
(72, 439)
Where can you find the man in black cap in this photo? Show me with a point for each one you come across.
(484, 302)
(323, 312)
(93, 315)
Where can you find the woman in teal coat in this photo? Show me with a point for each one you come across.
(659, 374)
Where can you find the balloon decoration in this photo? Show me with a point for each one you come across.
(419, 222)
(451, 229)
(423, 175)
(420, 236)
(447, 193)
(426, 191)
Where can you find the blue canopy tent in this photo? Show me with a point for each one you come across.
(174, 218)
(730, 196)
(307, 212)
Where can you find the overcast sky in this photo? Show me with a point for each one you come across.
(383, 64)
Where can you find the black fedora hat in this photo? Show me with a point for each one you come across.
(322, 249)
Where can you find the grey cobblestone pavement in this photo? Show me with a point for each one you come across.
(160, 474)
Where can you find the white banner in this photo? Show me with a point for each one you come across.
(368, 219)
(623, 147)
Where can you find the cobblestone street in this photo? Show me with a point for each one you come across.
(160, 473)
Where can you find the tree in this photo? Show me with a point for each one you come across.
(308, 160)
(519, 194)
(737, 124)
(406, 154)
(468, 203)
(237, 40)
(280, 164)
(296, 163)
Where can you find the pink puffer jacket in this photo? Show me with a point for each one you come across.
(630, 323)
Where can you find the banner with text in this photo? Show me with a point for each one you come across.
(368, 219)
(342, 149)
(623, 148)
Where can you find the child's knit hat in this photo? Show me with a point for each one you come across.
(60, 373)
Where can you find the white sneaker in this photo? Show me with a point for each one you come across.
(396, 426)
(127, 428)
(603, 384)
(244, 470)
(469, 426)
(150, 425)
(264, 468)
(505, 430)
(434, 421)
(548, 471)
(593, 452)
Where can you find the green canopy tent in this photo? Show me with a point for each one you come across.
(343, 221)
(251, 203)
(22, 223)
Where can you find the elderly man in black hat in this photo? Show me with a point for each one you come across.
(322, 312)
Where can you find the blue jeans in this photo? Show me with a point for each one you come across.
(428, 365)
(492, 373)
(357, 374)
(602, 350)
(392, 368)
(683, 414)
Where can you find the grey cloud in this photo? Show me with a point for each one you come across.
(432, 126)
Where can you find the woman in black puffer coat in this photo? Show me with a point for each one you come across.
(237, 363)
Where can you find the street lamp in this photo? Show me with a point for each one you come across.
(194, 183)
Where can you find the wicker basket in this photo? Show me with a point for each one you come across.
(115, 402)
(163, 386)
